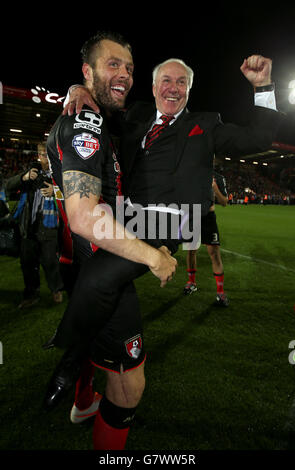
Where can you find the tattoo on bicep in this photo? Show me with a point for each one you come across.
(75, 182)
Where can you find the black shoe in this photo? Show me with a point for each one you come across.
(64, 378)
(221, 300)
(50, 343)
(26, 303)
(189, 288)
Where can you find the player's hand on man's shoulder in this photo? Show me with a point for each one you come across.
(79, 96)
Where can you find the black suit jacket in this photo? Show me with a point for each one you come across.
(197, 138)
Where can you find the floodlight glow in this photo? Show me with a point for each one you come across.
(292, 96)
(291, 84)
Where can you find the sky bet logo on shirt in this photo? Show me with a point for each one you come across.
(85, 145)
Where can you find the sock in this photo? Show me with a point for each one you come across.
(219, 278)
(84, 391)
(106, 437)
(111, 425)
(192, 275)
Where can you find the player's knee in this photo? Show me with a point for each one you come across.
(134, 389)
(126, 389)
(215, 257)
(213, 251)
(138, 390)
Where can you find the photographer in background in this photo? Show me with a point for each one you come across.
(38, 222)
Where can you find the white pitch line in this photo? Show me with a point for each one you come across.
(257, 260)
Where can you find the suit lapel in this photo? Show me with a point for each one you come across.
(188, 123)
(133, 135)
(185, 124)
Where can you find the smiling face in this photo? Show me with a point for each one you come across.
(111, 78)
(171, 88)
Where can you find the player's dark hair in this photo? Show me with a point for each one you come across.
(89, 48)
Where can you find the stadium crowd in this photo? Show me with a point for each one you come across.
(16, 158)
(251, 184)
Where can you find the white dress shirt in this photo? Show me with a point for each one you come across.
(266, 99)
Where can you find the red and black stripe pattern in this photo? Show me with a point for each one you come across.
(157, 129)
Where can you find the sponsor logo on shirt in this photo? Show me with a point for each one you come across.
(85, 145)
(89, 121)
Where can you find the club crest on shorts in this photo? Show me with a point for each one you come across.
(133, 346)
(85, 145)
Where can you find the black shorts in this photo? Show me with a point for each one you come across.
(119, 345)
(103, 314)
(209, 229)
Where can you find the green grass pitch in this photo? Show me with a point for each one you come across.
(216, 378)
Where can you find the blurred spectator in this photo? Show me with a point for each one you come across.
(38, 222)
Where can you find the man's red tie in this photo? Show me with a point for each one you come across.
(157, 130)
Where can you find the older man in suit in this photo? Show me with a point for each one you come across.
(178, 167)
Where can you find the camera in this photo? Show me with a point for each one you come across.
(36, 165)
(41, 179)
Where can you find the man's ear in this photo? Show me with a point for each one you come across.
(87, 72)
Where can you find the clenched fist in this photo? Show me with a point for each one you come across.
(257, 69)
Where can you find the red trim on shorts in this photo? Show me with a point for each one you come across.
(118, 372)
(60, 152)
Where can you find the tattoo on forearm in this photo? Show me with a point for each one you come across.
(75, 182)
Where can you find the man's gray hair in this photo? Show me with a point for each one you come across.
(189, 71)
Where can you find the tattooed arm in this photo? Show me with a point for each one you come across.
(83, 184)
(95, 222)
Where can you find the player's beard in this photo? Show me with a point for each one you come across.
(102, 93)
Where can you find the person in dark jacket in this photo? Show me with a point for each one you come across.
(38, 224)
